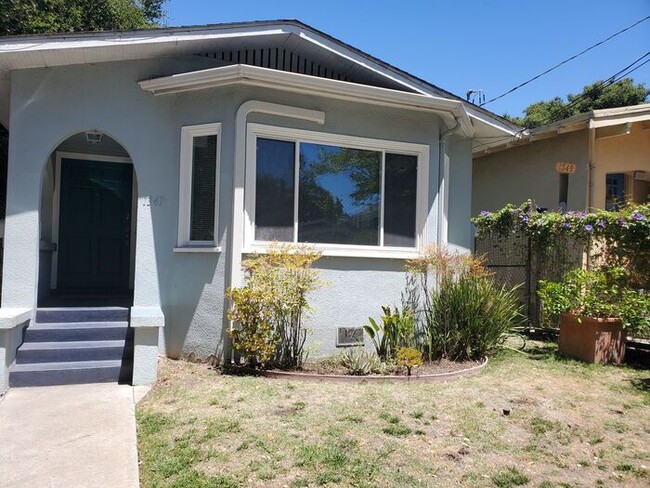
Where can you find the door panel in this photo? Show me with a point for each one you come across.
(95, 226)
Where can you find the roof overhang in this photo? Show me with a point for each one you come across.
(22, 52)
(449, 110)
(609, 122)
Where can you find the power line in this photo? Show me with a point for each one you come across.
(565, 61)
(619, 75)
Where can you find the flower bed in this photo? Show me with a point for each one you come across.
(429, 372)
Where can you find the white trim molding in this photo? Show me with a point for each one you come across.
(188, 133)
(421, 151)
(448, 110)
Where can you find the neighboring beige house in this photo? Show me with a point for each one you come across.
(591, 160)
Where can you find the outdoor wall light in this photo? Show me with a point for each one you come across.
(94, 137)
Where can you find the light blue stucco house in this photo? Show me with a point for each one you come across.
(145, 165)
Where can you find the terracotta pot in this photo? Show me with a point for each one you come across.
(593, 340)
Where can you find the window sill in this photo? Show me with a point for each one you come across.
(346, 251)
(197, 249)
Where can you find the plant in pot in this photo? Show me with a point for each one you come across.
(596, 311)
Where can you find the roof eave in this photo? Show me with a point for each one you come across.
(449, 110)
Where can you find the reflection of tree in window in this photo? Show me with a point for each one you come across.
(400, 191)
(339, 195)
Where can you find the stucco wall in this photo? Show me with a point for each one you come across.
(621, 154)
(520, 173)
(49, 105)
(460, 235)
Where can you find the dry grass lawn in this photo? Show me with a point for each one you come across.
(571, 425)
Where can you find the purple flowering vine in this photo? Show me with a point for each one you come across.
(589, 227)
(484, 213)
(638, 216)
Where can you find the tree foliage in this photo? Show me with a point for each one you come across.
(60, 16)
(596, 96)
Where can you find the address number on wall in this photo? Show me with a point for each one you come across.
(153, 201)
(565, 168)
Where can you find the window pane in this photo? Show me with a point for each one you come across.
(274, 190)
(614, 190)
(339, 195)
(204, 167)
(400, 189)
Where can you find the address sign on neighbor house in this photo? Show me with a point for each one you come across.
(565, 168)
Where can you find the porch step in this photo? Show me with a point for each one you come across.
(65, 373)
(46, 352)
(81, 314)
(74, 345)
(76, 331)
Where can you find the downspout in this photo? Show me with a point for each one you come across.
(239, 175)
(443, 183)
(591, 166)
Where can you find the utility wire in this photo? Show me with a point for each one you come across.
(564, 62)
(630, 68)
(619, 75)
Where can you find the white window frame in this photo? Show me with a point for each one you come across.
(421, 151)
(188, 133)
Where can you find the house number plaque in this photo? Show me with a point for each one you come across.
(565, 168)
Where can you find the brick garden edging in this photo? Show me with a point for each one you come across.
(429, 378)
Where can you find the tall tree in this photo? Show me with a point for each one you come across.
(52, 16)
(60, 16)
(596, 96)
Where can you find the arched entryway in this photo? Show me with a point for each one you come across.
(88, 223)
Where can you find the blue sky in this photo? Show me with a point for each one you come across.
(460, 45)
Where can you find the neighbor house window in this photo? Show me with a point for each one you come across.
(199, 172)
(614, 190)
(334, 190)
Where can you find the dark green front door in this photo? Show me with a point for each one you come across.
(94, 226)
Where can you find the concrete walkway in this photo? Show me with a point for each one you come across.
(68, 436)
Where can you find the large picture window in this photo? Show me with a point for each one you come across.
(334, 191)
(198, 185)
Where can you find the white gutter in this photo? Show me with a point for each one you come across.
(239, 173)
(448, 110)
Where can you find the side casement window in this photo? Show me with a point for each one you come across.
(199, 181)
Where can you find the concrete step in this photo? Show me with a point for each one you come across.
(82, 314)
(76, 331)
(64, 373)
(46, 352)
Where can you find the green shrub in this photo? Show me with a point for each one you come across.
(269, 309)
(409, 357)
(395, 331)
(464, 314)
(597, 293)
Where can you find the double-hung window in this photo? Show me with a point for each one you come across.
(340, 193)
(198, 192)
